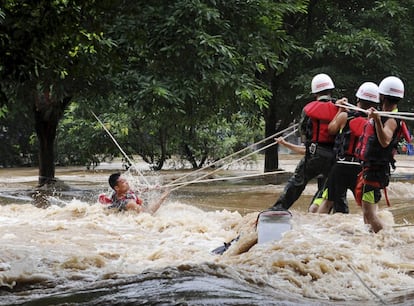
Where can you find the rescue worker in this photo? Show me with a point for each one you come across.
(348, 127)
(376, 150)
(321, 193)
(318, 159)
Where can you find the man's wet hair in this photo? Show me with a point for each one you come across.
(113, 179)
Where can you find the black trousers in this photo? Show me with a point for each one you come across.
(342, 177)
(308, 168)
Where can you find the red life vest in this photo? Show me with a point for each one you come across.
(370, 150)
(104, 199)
(347, 140)
(405, 133)
(376, 159)
(320, 114)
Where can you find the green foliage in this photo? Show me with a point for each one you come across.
(48, 41)
(353, 41)
(3, 111)
(83, 141)
(220, 138)
(194, 61)
(16, 130)
(186, 78)
(50, 52)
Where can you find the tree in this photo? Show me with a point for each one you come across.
(184, 67)
(353, 41)
(54, 52)
(51, 51)
(197, 60)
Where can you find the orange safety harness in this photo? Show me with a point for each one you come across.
(361, 181)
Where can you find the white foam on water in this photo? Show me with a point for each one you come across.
(328, 257)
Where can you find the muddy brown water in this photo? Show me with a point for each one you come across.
(73, 251)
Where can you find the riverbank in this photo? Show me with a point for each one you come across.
(251, 172)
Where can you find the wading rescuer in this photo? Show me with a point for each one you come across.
(319, 143)
(348, 127)
(376, 150)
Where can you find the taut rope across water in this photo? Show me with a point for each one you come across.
(226, 165)
(119, 147)
(240, 151)
(177, 185)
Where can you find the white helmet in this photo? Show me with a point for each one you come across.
(368, 91)
(392, 86)
(321, 82)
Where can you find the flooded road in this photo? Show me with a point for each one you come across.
(75, 252)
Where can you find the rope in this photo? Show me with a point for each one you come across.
(198, 180)
(400, 113)
(366, 286)
(119, 147)
(224, 178)
(234, 161)
(395, 115)
(230, 208)
(402, 225)
(238, 152)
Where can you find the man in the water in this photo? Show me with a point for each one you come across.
(123, 198)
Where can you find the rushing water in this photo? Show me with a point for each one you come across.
(73, 251)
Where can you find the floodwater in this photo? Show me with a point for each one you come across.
(66, 249)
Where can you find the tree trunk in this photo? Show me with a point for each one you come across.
(270, 115)
(277, 117)
(47, 113)
(190, 156)
(163, 148)
(46, 134)
(271, 161)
